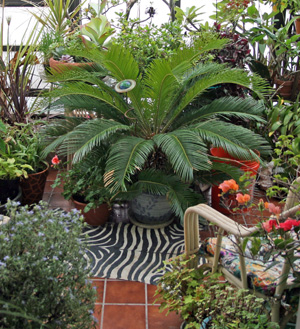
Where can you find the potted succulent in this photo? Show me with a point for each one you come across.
(44, 274)
(206, 301)
(83, 184)
(23, 142)
(91, 35)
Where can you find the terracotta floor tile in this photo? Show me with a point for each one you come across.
(48, 187)
(97, 315)
(158, 320)
(52, 175)
(125, 292)
(124, 317)
(47, 197)
(100, 289)
(150, 293)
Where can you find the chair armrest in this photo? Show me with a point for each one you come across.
(220, 220)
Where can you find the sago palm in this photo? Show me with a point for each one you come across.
(154, 126)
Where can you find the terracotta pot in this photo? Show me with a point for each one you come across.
(297, 24)
(95, 217)
(285, 90)
(33, 187)
(61, 66)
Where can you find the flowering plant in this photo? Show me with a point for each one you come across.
(43, 272)
(278, 234)
(232, 196)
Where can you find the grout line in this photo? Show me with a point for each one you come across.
(103, 304)
(146, 307)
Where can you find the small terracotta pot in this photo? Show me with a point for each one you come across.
(297, 24)
(61, 66)
(285, 90)
(95, 217)
(33, 187)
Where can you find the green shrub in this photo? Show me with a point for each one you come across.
(43, 272)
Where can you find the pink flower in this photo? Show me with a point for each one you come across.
(268, 225)
(55, 160)
(274, 209)
(242, 198)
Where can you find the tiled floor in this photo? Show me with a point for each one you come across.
(120, 304)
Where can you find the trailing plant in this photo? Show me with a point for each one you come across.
(11, 169)
(43, 270)
(155, 126)
(198, 296)
(286, 165)
(284, 118)
(24, 143)
(84, 181)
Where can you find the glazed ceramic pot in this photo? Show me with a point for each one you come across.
(33, 187)
(148, 210)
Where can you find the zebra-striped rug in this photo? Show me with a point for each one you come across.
(129, 252)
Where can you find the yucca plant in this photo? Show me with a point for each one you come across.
(154, 126)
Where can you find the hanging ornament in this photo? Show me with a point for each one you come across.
(124, 86)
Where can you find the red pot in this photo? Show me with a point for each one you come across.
(251, 166)
(95, 217)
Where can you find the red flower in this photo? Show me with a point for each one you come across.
(55, 160)
(289, 224)
(268, 225)
(242, 198)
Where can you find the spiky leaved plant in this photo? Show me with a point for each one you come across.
(154, 126)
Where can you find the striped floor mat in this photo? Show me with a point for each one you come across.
(128, 252)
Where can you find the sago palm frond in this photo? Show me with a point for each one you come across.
(235, 76)
(185, 151)
(243, 108)
(126, 157)
(90, 134)
(54, 134)
(115, 102)
(236, 140)
(160, 86)
(192, 53)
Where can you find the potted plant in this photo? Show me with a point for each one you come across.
(149, 123)
(44, 274)
(205, 301)
(23, 142)
(282, 51)
(10, 173)
(83, 184)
